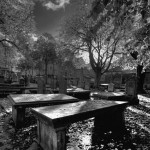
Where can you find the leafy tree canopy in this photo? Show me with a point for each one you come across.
(15, 16)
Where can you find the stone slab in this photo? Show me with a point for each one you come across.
(109, 95)
(76, 110)
(28, 99)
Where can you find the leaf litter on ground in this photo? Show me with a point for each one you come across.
(79, 134)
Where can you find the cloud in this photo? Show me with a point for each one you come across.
(59, 4)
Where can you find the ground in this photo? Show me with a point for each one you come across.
(137, 137)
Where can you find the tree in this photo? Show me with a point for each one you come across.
(101, 44)
(44, 51)
(137, 12)
(15, 17)
(25, 44)
(7, 55)
(25, 64)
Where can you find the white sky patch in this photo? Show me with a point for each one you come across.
(61, 4)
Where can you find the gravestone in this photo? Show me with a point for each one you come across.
(87, 86)
(111, 87)
(80, 84)
(62, 84)
(41, 85)
(131, 89)
(1, 79)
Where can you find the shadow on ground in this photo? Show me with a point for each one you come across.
(79, 135)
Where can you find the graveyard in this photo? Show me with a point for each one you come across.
(79, 134)
(87, 120)
(74, 75)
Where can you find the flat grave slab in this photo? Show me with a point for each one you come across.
(53, 120)
(110, 95)
(79, 93)
(22, 101)
(58, 112)
(29, 99)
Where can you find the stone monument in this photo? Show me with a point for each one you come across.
(41, 85)
(131, 89)
(111, 87)
(62, 84)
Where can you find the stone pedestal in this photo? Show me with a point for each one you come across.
(51, 138)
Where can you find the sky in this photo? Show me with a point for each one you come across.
(48, 16)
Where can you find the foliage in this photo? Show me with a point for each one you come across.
(137, 15)
(26, 46)
(45, 49)
(67, 59)
(16, 16)
(7, 55)
(101, 44)
(24, 64)
(137, 41)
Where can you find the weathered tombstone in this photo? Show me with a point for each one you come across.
(131, 89)
(62, 84)
(80, 84)
(49, 91)
(41, 85)
(87, 86)
(21, 80)
(1, 79)
(111, 87)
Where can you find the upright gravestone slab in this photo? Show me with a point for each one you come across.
(41, 85)
(87, 86)
(111, 87)
(131, 89)
(80, 84)
(62, 84)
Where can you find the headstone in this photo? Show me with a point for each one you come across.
(62, 84)
(21, 80)
(87, 86)
(80, 84)
(111, 87)
(41, 85)
(131, 90)
(131, 87)
(1, 79)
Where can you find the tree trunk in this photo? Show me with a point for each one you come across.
(97, 79)
(140, 80)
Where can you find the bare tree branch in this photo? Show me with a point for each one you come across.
(10, 42)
